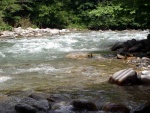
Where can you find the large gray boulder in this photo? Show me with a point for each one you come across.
(124, 77)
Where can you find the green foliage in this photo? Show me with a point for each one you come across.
(6, 27)
(92, 14)
(50, 15)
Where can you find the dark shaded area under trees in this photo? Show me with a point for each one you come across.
(90, 14)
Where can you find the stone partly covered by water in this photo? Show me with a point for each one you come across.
(133, 48)
(143, 108)
(79, 55)
(130, 77)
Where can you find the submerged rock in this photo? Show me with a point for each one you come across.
(84, 105)
(37, 96)
(38, 104)
(145, 108)
(24, 108)
(124, 77)
(79, 55)
(42, 105)
(115, 108)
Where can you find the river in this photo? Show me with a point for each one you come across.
(39, 64)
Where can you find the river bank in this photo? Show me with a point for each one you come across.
(31, 32)
(37, 32)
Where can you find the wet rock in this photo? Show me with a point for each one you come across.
(117, 46)
(148, 37)
(132, 42)
(146, 72)
(63, 107)
(119, 56)
(79, 55)
(24, 108)
(39, 104)
(37, 96)
(145, 108)
(28, 101)
(145, 79)
(122, 50)
(124, 77)
(58, 98)
(135, 48)
(84, 105)
(42, 105)
(115, 108)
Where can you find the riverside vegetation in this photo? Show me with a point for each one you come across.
(91, 14)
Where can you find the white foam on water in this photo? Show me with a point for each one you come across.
(1, 71)
(3, 79)
(65, 109)
(57, 44)
(46, 69)
(2, 55)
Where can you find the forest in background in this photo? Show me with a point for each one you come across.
(87, 14)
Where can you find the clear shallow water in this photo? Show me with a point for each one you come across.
(40, 64)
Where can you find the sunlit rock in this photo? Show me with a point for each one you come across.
(7, 34)
(79, 55)
(54, 31)
(145, 79)
(120, 56)
(38, 35)
(124, 77)
(117, 46)
(146, 72)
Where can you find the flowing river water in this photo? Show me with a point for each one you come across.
(39, 64)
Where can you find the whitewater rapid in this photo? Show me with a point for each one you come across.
(31, 55)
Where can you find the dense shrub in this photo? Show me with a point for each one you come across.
(91, 14)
